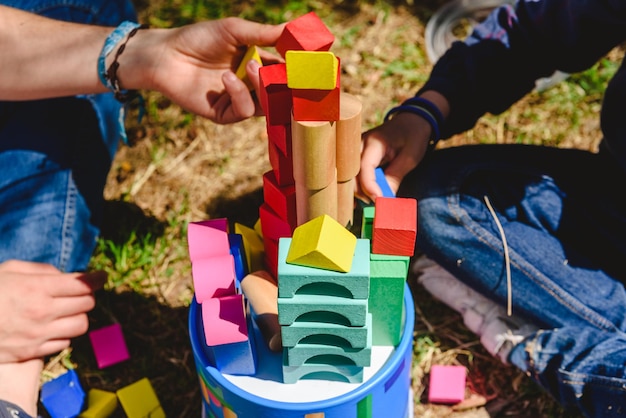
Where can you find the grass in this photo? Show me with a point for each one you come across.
(181, 168)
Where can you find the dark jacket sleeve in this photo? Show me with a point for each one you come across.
(504, 55)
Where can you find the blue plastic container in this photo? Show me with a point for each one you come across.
(385, 392)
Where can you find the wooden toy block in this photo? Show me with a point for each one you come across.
(322, 308)
(348, 374)
(239, 257)
(251, 54)
(274, 95)
(381, 180)
(447, 384)
(322, 243)
(315, 415)
(311, 204)
(271, 256)
(207, 238)
(294, 279)
(348, 137)
(394, 226)
(368, 222)
(398, 263)
(386, 301)
(281, 164)
(345, 202)
(224, 320)
(305, 33)
(280, 135)
(315, 70)
(261, 291)
(313, 146)
(302, 353)
(237, 358)
(257, 227)
(100, 404)
(213, 277)
(273, 226)
(252, 246)
(63, 396)
(282, 199)
(334, 334)
(109, 345)
(139, 400)
(316, 105)
(364, 408)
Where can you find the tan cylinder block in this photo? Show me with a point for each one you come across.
(345, 202)
(261, 291)
(313, 203)
(313, 150)
(349, 137)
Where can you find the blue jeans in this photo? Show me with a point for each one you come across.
(55, 156)
(564, 220)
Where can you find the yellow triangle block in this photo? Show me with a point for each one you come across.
(252, 245)
(322, 243)
(311, 70)
(251, 54)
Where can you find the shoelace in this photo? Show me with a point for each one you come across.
(507, 260)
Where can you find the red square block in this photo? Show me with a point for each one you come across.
(274, 95)
(271, 255)
(280, 135)
(305, 33)
(395, 226)
(447, 384)
(272, 225)
(317, 105)
(280, 198)
(282, 164)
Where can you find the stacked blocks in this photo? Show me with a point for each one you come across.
(323, 308)
(224, 322)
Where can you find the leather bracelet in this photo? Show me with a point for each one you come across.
(424, 113)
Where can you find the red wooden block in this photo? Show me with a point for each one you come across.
(280, 198)
(282, 164)
(272, 225)
(447, 384)
(280, 135)
(305, 33)
(395, 226)
(271, 256)
(274, 95)
(317, 105)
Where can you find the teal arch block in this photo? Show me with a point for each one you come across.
(321, 308)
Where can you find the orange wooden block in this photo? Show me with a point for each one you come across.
(280, 198)
(395, 226)
(274, 95)
(281, 164)
(305, 33)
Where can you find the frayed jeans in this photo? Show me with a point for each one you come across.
(563, 217)
(55, 156)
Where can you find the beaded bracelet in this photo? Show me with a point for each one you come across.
(108, 76)
(424, 108)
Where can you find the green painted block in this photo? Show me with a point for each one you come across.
(385, 261)
(322, 308)
(386, 304)
(326, 333)
(322, 371)
(368, 222)
(295, 279)
(364, 407)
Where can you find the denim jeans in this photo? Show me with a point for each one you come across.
(563, 216)
(55, 155)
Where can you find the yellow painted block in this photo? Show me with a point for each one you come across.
(251, 54)
(311, 70)
(139, 400)
(252, 246)
(322, 243)
(258, 228)
(100, 404)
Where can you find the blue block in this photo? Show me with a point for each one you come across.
(237, 251)
(382, 183)
(64, 396)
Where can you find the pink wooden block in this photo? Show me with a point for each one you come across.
(224, 320)
(213, 277)
(109, 345)
(447, 384)
(207, 238)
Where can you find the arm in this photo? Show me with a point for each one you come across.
(192, 65)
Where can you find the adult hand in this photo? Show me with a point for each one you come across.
(42, 308)
(194, 65)
(398, 145)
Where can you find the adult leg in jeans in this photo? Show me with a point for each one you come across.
(54, 158)
(563, 222)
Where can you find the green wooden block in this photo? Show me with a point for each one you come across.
(322, 371)
(364, 407)
(386, 301)
(322, 308)
(295, 279)
(385, 261)
(368, 222)
(326, 333)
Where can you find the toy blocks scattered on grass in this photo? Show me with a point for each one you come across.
(139, 400)
(305, 33)
(395, 226)
(447, 384)
(63, 396)
(109, 345)
(322, 243)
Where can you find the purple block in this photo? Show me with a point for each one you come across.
(109, 345)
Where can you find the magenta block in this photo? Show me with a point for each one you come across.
(207, 238)
(224, 320)
(447, 384)
(109, 345)
(213, 277)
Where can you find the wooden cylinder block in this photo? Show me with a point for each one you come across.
(261, 290)
(345, 202)
(313, 150)
(349, 137)
(313, 203)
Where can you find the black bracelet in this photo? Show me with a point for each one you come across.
(122, 95)
(424, 113)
